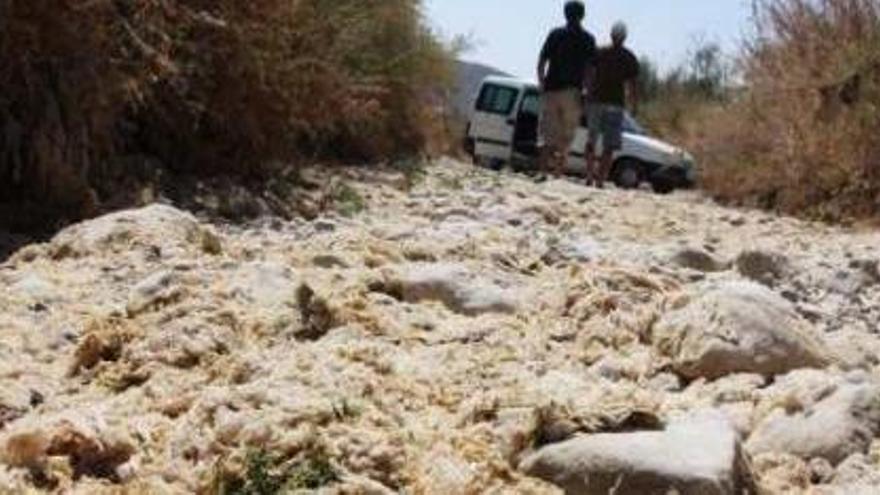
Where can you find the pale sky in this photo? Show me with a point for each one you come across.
(508, 34)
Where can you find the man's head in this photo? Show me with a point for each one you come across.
(575, 11)
(619, 33)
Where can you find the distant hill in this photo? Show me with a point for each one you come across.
(468, 79)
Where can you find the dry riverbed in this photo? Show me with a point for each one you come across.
(476, 333)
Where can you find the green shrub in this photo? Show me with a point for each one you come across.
(267, 475)
(348, 200)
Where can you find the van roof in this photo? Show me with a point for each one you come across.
(509, 81)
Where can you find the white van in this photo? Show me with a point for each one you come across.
(503, 130)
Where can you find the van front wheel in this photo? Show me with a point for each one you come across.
(627, 173)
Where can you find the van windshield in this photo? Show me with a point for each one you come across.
(632, 126)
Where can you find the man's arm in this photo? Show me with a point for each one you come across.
(632, 86)
(590, 70)
(632, 89)
(589, 78)
(544, 60)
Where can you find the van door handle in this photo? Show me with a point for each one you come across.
(511, 121)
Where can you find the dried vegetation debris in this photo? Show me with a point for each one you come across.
(432, 342)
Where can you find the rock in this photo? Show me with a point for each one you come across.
(25, 449)
(738, 221)
(664, 382)
(211, 242)
(33, 287)
(179, 344)
(154, 226)
(841, 424)
(264, 285)
(103, 342)
(92, 449)
(869, 267)
(847, 283)
(317, 316)
(859, 474)
(763, 267)
(9, 414)
(697, 259)
(782, 473)
(444, 472)
(821, 471)
(157, 289)
(324, 225)
(854, 349)
(579, 250)
(737, 327)
(238, 204)
(456, 288)
(329, 261)
(699, 454)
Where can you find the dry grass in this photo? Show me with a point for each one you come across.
(802, 137)
(206, 86)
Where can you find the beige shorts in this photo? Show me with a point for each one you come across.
(560, 115)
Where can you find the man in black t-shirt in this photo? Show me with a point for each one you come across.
(563, 69)
(617, 71)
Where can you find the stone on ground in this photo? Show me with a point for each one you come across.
(737, 327)
(158, 227)
(696, 455)
(760, 266)
(842, 423)
(455, 287)
(698, 259)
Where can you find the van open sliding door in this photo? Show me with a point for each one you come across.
(494, 120)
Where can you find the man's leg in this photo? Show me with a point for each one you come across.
(605, 167)
(572, 109)
(545, 158)
(561, 156)
(592, 140)
(550, 131)
(612, 138)
(590, 159)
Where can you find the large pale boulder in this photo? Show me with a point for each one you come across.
(737, 327)
(699, 454)
(454, 286)
(842, 423)
(162, 229)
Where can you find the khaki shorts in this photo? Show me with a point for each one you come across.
(560, 116)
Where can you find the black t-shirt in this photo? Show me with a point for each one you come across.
(615, 66)
(570, 50)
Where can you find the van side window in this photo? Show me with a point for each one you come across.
(497, 99)
(531, 104)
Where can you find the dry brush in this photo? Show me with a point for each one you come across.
(206, 87)
(801, 136)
